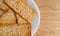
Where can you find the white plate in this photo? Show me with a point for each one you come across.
(36, 20)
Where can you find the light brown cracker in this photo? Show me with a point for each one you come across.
(15, 29)
(22, 8)
(8, 17)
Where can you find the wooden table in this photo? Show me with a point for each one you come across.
(50, 21)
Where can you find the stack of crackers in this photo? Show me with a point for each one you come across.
(15, 18)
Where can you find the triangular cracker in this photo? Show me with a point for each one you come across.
(8, 17)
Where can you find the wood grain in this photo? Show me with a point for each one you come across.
(50, 21)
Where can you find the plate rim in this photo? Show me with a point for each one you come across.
(39, 17)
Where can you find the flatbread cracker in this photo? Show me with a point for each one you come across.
(22, 8)
(11, 17)
(15, 29)
(8, 17)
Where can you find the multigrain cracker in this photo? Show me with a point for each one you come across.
(8, 17)
(15, 29)
(22, 8)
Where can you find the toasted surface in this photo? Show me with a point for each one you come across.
(8, 17)
(24, 1)
(20, 19)
(3, 6)
(22, 8)
(15, 29)
(12, 24)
